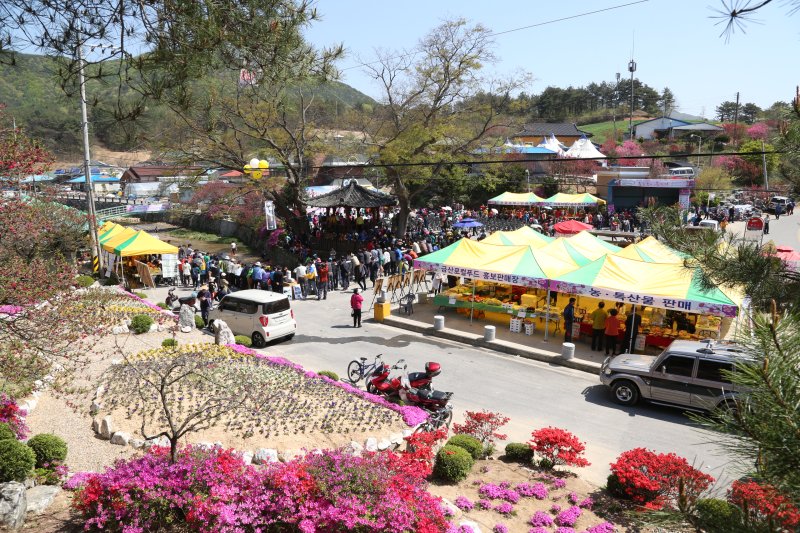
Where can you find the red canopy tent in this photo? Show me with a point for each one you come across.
(787, 254)
(571, 227)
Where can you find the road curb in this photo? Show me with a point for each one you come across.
(510, 348)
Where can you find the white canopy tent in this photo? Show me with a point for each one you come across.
(583, 149)
(551, 143)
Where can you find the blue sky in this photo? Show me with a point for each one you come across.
(677, 44)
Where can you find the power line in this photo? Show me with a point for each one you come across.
(538, 24)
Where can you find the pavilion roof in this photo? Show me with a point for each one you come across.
(352, 195)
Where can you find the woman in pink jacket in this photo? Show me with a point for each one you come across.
(356, 300)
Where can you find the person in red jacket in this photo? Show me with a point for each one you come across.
(356, 300)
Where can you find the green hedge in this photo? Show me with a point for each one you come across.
(244, 340)
(519, 452)
(49, 449)
(162, 305)
(6, 432)
(453, 464)
(16, 461)
(141, 323)
(469, 443)
(327, 373)
(718, 516)
(169, 343)
(198, 322)
(141, 295)
(84, 281)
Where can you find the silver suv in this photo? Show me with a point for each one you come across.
(688, 374)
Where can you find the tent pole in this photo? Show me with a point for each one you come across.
(547, 314)
(630, 333)
(472, 303)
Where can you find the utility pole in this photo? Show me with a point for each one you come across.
(87, 165)
(631, 69)
(615, 103)
(764, 162)
(736, 122)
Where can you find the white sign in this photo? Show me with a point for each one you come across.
(269, 214)
(169, 266)
(679, 183)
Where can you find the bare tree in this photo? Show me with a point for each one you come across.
(436, 108)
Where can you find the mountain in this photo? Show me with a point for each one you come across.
(30, 88)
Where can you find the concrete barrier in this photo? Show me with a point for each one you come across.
(489, 333)
(438, 322)
(568, 351)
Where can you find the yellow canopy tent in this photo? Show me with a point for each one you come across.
(142, 243)
(570, 200)
(107, 225)
(109, 232)
(523, 236)
(109, 241)
(561, 250)
(516, 198)
(651, 251)
(591, 246)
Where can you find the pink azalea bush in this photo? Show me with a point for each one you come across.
(215, 491)
(569, 516)
(11, 414)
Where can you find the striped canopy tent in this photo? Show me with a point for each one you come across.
(115, 236)
(522, 236)
(651, 250)
(662, 285)
(563, 199)
(516, 198)
(562, 250)
(142, 243)
(591, 246)
(517, 265)
(107, 225)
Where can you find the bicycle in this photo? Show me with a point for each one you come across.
(359, 369)
(436, 419)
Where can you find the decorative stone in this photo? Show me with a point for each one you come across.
(354, 448)
(396, 438)
(95, 408)
(287, 455)
(106, 428)
(96, 425)
(186, 319)
(265, 455)
(41, 497)
(247, 457)
(120, 330)
(136, 444)
(222, 333)
(13, 505)
(217, 444)
(159, 441)
(371, 445)
(120, 438)
(153, 327)
(449, 508)
(39, 384)
(99, 392)
(384, 444)
(205, 445)
(407, 433)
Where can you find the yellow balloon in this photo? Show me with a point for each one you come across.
(256, 174)
(247, 169)
(263, 164)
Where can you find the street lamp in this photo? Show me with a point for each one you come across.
(528, 178)
(699, 146)
(631, 69)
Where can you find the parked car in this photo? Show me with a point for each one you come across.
(783, 201)
(682, 172)
(688, 374)
(261, 315)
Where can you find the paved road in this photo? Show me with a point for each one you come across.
(532, 394)
(785, 231)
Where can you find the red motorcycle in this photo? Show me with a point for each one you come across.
(435, 402)
(380, 383)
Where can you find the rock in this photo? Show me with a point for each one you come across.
(96, 425)
(159, 441)
(153, 327)
(470, 524)
(13, 505)
(120, 438)
(287, 455)
(40, 498)
(218, 444)
(120, 330)
(449, 508)
(222, 333)
(116, 361)
(265, 455)
(29, 483)
(39, 384)
(159, 327)
(106, 428)
(95, 408)
(186, 319)
(136, 444)
(384, 444)
(99, 392)
(396, 438)
(371, 445)
(407, 433)
(205, 445)
(247, 457)
(354, 448)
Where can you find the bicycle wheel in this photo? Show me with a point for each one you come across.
(425, 427)
(354, 370)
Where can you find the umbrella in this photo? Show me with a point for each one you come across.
(468, 223)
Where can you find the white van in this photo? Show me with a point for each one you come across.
(782, 201)
(681, 172)
(261, 315)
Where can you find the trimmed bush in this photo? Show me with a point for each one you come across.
(169, 343)
(718, 516)
(141, 323)
(327, 373)
(243, 340)
(141, 295)
(84, 281)
(453, 464)
(16, 461)
(198, 322)
(6, 432)
(519, 452)
(162, 305)
(471, 444)
(49, 449)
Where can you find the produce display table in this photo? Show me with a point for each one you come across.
(658, 341)
(443, 300)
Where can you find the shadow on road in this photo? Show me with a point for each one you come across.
(398, 341)
(600, 395)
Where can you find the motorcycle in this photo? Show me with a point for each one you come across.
(381, 384)
(433, 401)
(171, 298)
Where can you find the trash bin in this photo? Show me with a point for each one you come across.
(489, 333)
(438, 322)
(568, 350)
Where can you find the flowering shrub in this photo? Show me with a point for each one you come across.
(572, 497)
(540, 518)
(483, 426)
(539, 529)
(564, 530)
(504, 508)
(605, 527)
(569, 516)
(419, 449)
(215, 491)
(762, 503)
(484, 504)
(537, 490)
(464, 503)
(556, 446)
(499, 528)
(586, 503)
(11, 414)
(555, 508)
(657, 479)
